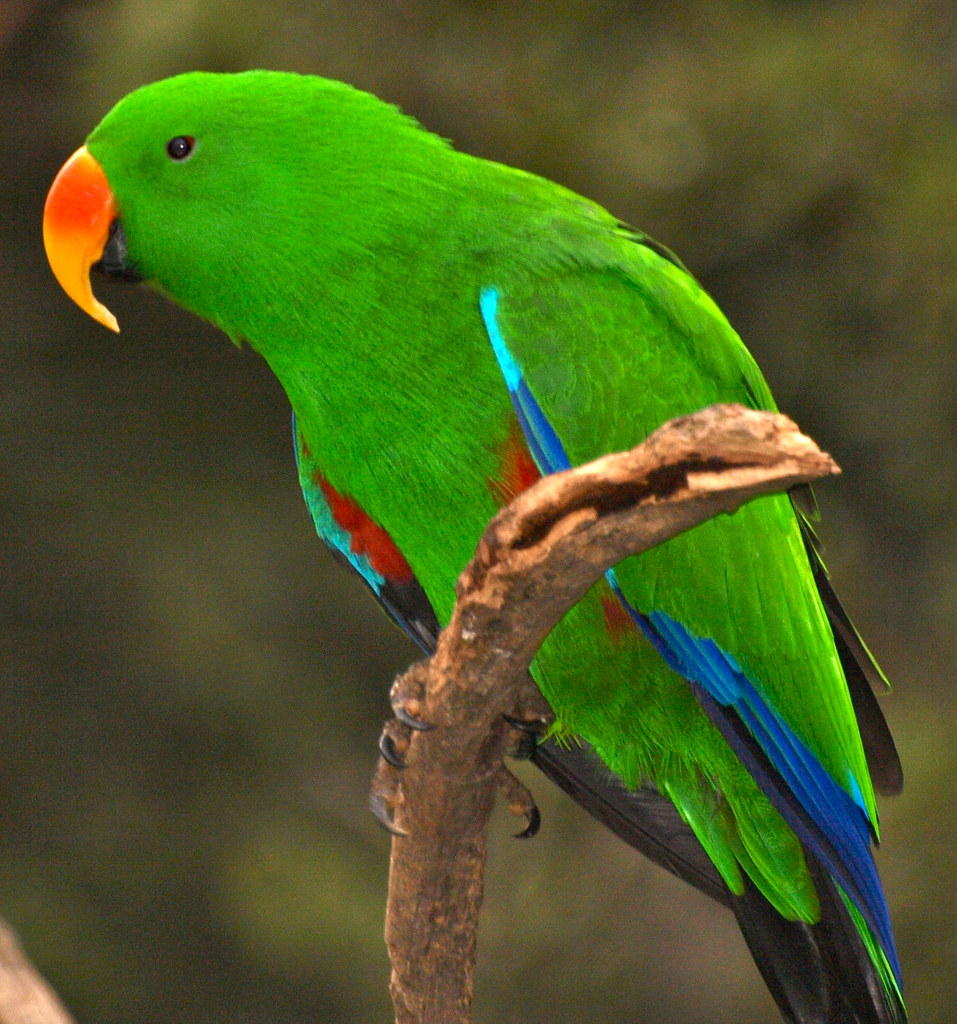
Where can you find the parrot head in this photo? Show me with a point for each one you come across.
(213, 188)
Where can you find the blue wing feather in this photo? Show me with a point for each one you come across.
(828, 819)
(544, 444)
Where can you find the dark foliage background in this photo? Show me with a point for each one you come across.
(191, 690)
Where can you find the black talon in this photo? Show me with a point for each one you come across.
(384, 815)
(534, 824)
(520, 801)
(411, 721)
(389, 751)
(527, 732)
(533, 726)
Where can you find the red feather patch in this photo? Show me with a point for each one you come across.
(617, 620)
(518, 470)
(366, 537)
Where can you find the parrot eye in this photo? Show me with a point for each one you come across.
(180, 147)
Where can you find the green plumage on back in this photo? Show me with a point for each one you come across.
(445, 328)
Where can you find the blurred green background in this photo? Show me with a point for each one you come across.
(191, 689)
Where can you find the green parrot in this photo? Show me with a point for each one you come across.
(447, 329)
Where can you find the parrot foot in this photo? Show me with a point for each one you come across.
(520, 802)
(385, 797)
(407, 697)
(531, 717)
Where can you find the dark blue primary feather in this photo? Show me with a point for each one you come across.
(831, 823)
(827, 820)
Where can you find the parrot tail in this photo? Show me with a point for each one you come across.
(824, 973)
(830, 972)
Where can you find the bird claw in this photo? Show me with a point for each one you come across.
(384, 799)
(409, 720)
(407, 698)
(522, 743)
(534, 824)
(527, 727)
(535, 726)
(520, 802)
(530, 718)
(396, 733)
(385, 815)
(394, 743)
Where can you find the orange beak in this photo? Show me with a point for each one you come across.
(76, 226)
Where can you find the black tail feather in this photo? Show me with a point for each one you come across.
(853, 977)
(820, 973)
(817, 974)
(788, 958)
(863, 674)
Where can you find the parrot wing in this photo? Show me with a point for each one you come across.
(561, 350)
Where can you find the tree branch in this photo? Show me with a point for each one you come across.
(25, 998)
(537, 558)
